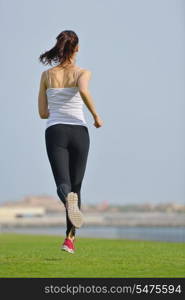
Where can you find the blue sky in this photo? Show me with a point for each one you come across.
(135, 50)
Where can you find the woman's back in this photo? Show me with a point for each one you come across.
(63, 77)
(65, 104)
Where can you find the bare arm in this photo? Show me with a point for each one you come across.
(42, 98)
(84, 92)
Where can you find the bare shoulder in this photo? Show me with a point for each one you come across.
(85, 72)
(43, 75)
(49, 70)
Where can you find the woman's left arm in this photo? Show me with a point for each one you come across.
(42, 98)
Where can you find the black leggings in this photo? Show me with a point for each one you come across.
(67, 147)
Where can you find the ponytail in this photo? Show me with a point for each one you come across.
(63, 50)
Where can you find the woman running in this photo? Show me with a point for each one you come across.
(63, 89)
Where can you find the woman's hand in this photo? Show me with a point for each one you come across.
(98, 122)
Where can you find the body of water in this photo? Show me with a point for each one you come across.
(168, 234)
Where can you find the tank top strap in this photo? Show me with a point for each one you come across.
(48, 78)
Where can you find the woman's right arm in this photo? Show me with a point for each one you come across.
(82, 83)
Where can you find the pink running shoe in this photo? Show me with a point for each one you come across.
(68, 246)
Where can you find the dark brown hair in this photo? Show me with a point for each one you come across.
(64, 48)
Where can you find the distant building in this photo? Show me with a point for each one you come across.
(48, 203)
(15, 212)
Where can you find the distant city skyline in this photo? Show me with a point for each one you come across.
(136, 55)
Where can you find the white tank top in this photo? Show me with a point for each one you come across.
(65, 105)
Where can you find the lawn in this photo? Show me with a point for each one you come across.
(40, 256)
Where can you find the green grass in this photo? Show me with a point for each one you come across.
(40, 256)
